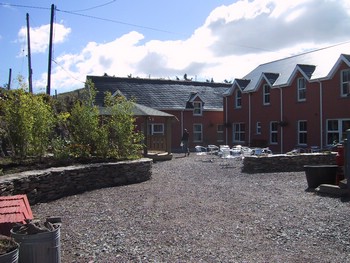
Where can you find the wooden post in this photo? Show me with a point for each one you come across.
(29, 57)
(48, 88)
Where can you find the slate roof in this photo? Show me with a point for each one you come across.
(161, 94)
(141, 110)
(315, 65)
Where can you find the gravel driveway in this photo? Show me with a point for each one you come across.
(203, 209)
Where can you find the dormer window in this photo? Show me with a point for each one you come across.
(345, 83)
(238, 99)
(301, 89)
(266, 94)
(197, 108)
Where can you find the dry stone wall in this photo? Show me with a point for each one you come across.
(285, 163)
(54, 183)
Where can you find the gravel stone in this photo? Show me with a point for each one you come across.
(203, 209)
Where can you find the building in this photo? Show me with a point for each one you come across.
(197, 106)
(301, 101)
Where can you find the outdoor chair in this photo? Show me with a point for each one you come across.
(201, 150)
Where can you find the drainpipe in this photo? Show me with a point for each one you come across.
(321, 114)
(182, 121)
(249, 119)
(226, 120)
(281, 118)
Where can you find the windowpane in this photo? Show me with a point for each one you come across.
(301, 89)
(345, 83)
(197, 133)
(197, 108)
(266, 94)
(238, 99)
(302, 132)
(238, 132)
(274, 132)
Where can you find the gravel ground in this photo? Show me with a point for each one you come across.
(203, 209)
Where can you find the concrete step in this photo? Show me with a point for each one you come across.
(331, 189)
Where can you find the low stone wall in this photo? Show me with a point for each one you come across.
(54, 183)
(285, 163)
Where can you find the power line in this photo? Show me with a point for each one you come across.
(68, 73)
(94, 7)
(25, 6)
(117, 22)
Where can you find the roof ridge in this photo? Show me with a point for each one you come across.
(307, 52)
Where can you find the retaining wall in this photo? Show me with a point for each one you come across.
(54, 183)
(285, 163)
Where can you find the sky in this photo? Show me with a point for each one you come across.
(208, 40)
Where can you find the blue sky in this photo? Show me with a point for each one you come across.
(222, 40)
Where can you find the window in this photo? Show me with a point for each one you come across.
(274, 132)
(197, 108)
(197, 133)
(238, 132)
(301, 89)
(220, 132)
(345, 83)
(266, 94)
(258, 127)
(336, 130)
(156, 129)
(302, 133)
(238, 99)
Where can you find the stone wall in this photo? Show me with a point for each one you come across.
(285, 163)
(54, 183)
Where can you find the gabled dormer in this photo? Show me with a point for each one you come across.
(196, 103)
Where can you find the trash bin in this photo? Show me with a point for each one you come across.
(42, 247)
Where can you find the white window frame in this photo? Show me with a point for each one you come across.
(337, 132)
(197, 108)
(198, 132)
(238, 99)
(220, 132)
(258, 127)
(266, 94)
(238, 136)
(301, 87)
(153, 130)
(345, 83)
(302, 132)
(273, 132)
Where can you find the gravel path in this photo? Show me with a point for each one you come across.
(198, 209)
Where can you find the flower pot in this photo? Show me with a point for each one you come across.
(11, 249)
(320, 174)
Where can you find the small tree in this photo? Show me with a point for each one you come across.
(28, 122)
(124, 141)
(84, 124)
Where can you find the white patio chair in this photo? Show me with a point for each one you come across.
(201, 150)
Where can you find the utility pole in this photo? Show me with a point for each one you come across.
(10, 77)
(30, 72)
(48, 88)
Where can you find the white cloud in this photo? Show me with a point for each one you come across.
(233, 40)
(39, 37)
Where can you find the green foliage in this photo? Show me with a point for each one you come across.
(123, 139)
(28, 122)
(84, 125)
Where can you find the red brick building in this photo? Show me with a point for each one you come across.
(297, 102)
(197, 107)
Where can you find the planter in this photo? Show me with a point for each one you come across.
(10, 250)
(39, 248)
(320, 174)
